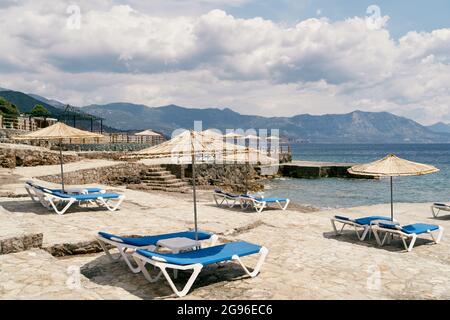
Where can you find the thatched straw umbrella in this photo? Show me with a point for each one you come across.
(191, 147)
(58, 132)
(392, 166)
(148, 133)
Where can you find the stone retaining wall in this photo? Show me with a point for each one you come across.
(108, 155)
(232, 177)
(236, 177)
(12, 156)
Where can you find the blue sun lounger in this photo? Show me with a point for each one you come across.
(60, 202)
(124, 244)
(195, 260)
(259, 203)
(32, 184)
(35, 191)
(410, 231)
(364, 223)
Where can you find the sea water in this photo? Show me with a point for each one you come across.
(340, 192)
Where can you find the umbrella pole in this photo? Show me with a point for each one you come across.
(62, 164)
(392, 201)
(194, 193)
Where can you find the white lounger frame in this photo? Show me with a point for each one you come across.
(222, 198)
(197, 268)
(403, 236)
(260, 205)
(125, 248)
(436, 209)
(51, 201)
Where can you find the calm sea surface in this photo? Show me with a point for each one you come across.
(337, 193)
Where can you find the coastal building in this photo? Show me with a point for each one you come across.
(25, 123)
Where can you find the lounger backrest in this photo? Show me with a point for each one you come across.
(342, 218)
(390, 226)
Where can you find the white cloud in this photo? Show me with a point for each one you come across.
(129, 53)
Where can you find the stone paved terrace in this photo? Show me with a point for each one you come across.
(306, 261)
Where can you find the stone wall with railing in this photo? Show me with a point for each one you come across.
(107, 147)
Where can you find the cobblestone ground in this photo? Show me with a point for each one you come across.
(306, 260)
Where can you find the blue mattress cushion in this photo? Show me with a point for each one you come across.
(206, 256)
(89, 189)
(269, 200)
(89, 196)
(152, 240)
(419, 228)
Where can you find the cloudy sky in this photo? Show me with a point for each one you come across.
(273, 57)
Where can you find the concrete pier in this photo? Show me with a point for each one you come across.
(313, 169)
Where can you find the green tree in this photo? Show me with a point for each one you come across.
(7, 108)
(39, 111)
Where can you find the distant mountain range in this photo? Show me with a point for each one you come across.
(440, 127)
(354, 127)
(51, 102)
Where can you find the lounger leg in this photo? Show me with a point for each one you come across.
(196, 270)
(61, 212)
(377, 238)
(217, 202)
(125, 256)
(108, 254)
(231, 206)
(285, 205)
(263, 254)
(112, 208)
(364, 234)
(141, 266)
(259, 207)
(244, 204)
(435, 213)
(333, 224)
(411, 244)
(32, 196)
(439, 236)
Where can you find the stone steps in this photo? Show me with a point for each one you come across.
(166, 185)
(164, 182)
(166, 189)
(158, 173)
(160, 179)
